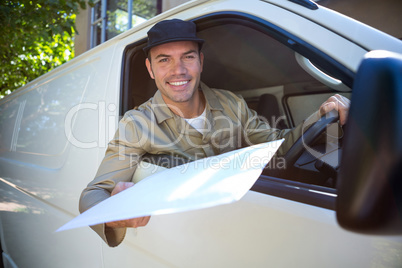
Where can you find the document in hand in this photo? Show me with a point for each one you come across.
(207, 182)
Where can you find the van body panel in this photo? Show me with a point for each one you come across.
(259, 230)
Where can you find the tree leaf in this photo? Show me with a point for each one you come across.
(34, 38)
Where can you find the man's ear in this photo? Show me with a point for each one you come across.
(149, 68)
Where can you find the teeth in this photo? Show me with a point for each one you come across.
(178, 83)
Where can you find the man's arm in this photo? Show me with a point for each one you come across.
(118, 166)
(258, 131)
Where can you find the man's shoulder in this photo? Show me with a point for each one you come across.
(222, 94)
(144, 110)
(227, 93)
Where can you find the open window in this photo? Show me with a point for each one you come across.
(259, 61)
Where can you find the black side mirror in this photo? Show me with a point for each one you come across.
(370, 180)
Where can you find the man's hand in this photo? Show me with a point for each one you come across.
(136, 222)
(338, 103)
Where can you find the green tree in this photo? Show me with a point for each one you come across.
(35, 37)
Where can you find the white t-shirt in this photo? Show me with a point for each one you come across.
(198, 122)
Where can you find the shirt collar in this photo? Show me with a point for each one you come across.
(212, 100)
(162, 111)
(160, 108)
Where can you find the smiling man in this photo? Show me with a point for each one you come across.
(176, 68)
(185, 119)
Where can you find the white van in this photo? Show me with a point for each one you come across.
(285, 58)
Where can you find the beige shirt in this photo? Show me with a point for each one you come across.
(153, 128)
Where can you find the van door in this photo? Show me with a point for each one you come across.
(288, 217)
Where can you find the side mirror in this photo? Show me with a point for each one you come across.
(370, 180)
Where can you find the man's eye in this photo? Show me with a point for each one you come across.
(190, 57)
(163, 60)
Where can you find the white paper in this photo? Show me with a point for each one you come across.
(207, 182)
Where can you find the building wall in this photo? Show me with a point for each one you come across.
(168, 4)
(83, 26)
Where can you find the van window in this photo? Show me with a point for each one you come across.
(257, 60)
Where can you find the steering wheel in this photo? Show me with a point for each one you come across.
(308, 137)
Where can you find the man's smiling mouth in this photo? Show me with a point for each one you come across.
(179, 83)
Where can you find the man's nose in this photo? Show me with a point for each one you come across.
(179, 68)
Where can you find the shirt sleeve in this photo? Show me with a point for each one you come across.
(122, 156)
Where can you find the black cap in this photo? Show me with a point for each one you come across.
(171, 31)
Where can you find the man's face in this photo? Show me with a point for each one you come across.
(176, 68)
